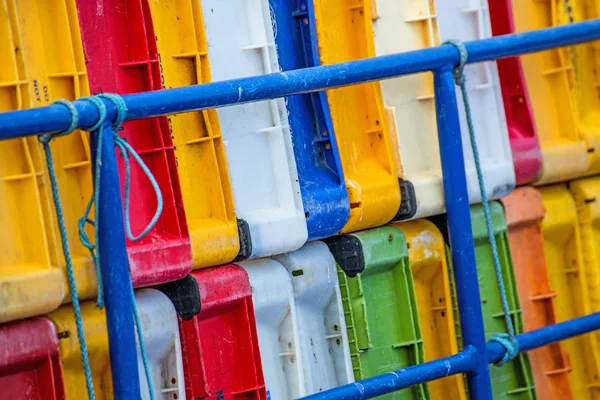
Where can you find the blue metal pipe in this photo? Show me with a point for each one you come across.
(400, 379)
(460, 231)
(115, 274)
(219, 94)
(455, 364)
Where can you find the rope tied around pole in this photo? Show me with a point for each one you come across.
(507, 340)
(126, 151)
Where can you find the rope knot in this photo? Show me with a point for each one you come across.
(458, 71)
(47, 137)
(126, 151)
(510, 344)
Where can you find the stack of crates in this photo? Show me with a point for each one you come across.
(302, 243)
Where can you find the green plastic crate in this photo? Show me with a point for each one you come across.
(379, 304)
(514, 380)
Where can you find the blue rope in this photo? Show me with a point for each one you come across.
(508, 340)
(126, 151)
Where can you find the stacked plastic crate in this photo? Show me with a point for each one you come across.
(551, 227)
(302, 243)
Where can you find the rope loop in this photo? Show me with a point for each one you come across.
(47, 137)
(101, 112)
(458, 71)
(127, 151)
(120, 106)
(511, 346)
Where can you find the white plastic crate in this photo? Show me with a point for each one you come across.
(275, 312)
(257, 136)
(470, 20)
(410, 100)
(323, 339)
(160, 330)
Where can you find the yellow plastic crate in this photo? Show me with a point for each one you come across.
(586, 61)
(345, 33)
(42, 61)
(550, 81)
(30, 283)
(201, 162)
(564, 256)
(586, 193)
(94, 326)
(427, 256)
(54, 57)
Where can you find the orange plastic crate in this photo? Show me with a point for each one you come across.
(524, 211)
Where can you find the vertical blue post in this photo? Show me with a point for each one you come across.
(115, 274)
(460, 231)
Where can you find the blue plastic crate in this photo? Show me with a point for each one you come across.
(324, 195)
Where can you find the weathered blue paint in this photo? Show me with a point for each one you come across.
(219, 94)
(463, 362)
(322, 185)
(115, 274)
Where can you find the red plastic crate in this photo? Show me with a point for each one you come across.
(29, 362)
(527, 156)
(221, 358)
(121, 57)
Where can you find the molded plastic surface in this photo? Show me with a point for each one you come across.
(344, 33)
(55, 63)
(323, 343)
(549, 78)
(410, 103)
(322, 184)
(161, 339)
(30, 279)
(277, 327)
(568, 276)
(469, 20)
(527, 156)
(30, 367)
(586, 62)
(550, 364)
(220, 344)
(427, 256)
(586, 193)
(300, 322)
(199, 149)
(379, 304)
(515, 379)
(257, 136)
(121, 57)
(409, 100)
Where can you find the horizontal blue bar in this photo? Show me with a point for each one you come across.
(464, 361)
(218, 94)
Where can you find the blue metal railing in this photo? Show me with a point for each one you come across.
(477, 354)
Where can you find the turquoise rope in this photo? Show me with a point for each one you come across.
(507, 340)
(45, 140)
(95, 198)
(126, 151)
